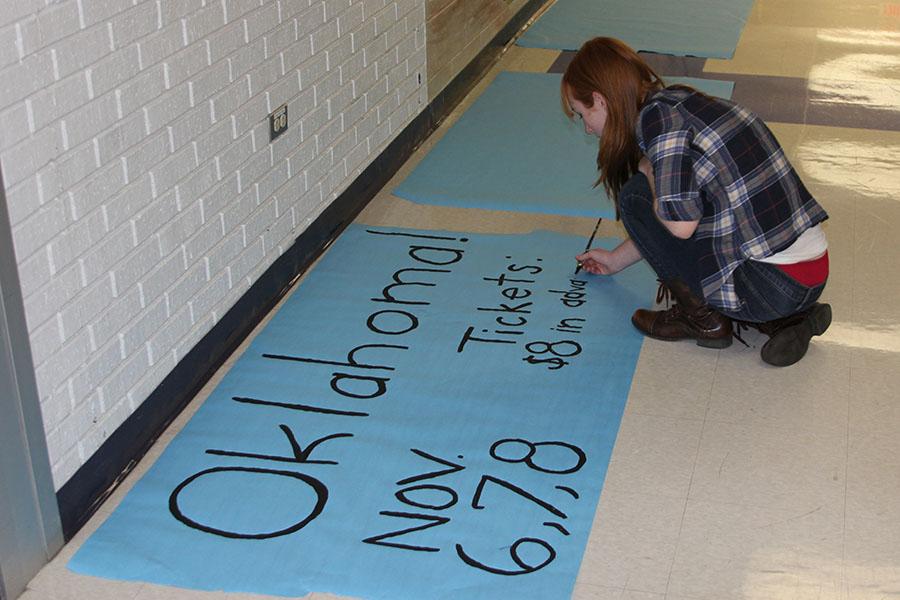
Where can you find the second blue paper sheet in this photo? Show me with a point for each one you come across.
(514, 149)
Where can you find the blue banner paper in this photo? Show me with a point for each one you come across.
(514, 149)
(430, 415)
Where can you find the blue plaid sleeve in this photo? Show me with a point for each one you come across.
(667, 143)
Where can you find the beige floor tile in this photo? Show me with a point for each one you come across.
(537, 60)
(632, 542)
(59, 584)
(867, 14)
(672, 380)
(874, 408)
(160, 592)
(788, 135)
(32, 595)
(850, 170)
(872, 558)
(584, 591)
(839, 63)
(56, 582)
(821, 40)
(654, 456)
(811, 395)
(856, 65)
(774, 50)
(760, 464)
(857, 160)
(736, 551)
(876, 252)
(869, 592)
(872, 555)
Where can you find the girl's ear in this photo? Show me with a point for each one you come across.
(599, 99)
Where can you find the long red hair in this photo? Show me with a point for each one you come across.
(609, 67)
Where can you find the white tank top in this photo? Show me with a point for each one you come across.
(811, 244)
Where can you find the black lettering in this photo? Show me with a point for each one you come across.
(386, 293)
(572, 322)
(416, 235)
(301, 407)
(532, 269)
(505, 308)
(380, 385)
(434, 521)
(317, 486)
(569, 325)
(522, 321)
(501, 280)
(467, 336)
(299, 455)
(567, 490)
(533, 447)
(505, 331)
(524, 568)
(456, 255)
(476, 498)
(453, 468)
(403, 496)
(351, 358)
(569, 295)
(514, 293)
(557, 526)
(413, 322)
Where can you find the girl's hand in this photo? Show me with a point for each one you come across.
(599, 262)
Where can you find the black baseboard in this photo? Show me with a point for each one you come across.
(81, 496)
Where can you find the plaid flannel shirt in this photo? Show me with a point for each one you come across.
(718, 163)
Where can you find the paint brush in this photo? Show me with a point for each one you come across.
(590, 241)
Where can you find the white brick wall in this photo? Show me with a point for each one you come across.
(144, 195)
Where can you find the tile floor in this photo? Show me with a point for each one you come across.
(731, 479)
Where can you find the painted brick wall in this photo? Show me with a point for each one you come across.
(144, 194)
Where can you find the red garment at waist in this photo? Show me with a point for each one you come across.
(809, 273)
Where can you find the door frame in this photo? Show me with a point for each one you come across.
(30, 528)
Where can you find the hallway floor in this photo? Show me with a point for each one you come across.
(731, 479)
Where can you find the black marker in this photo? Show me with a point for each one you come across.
(590, 241)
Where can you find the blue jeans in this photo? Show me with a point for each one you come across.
(766, 292)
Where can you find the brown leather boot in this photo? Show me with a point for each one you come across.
(789, 337)
(689, 319)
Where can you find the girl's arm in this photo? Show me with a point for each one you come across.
(600, 261)
(680, 229)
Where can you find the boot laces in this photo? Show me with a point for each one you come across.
(673, 311)
(737, 327)
(663, 294)
(771, 328)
